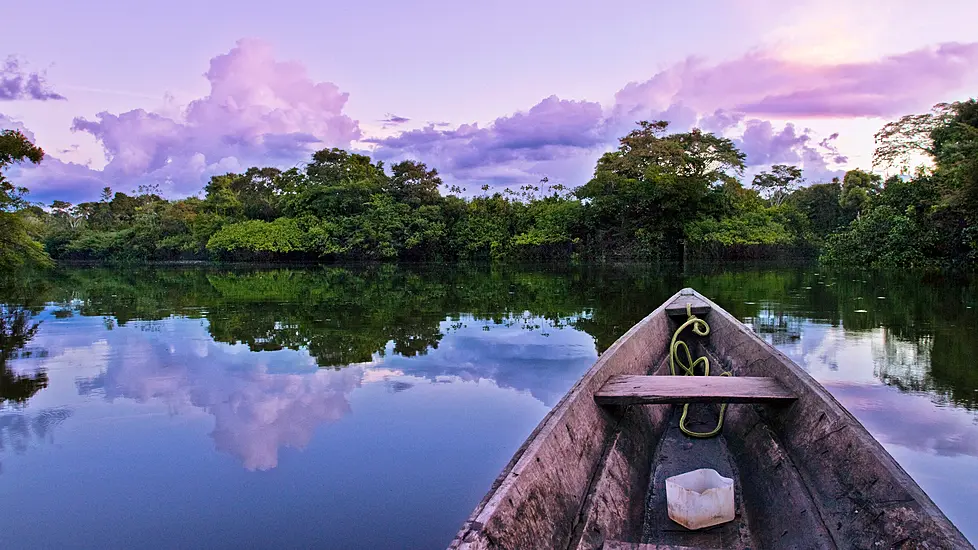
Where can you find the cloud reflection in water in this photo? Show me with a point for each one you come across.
(257, 408)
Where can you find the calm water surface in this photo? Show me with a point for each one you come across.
(373, 406)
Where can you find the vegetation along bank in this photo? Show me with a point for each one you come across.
(659, 196)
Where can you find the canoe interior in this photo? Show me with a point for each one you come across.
(807, 474)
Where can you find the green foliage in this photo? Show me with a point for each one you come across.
(858, 191)
(485, 227)
(261, 238)
(551, 226)
(821, 207)
(17, 245)
(777, 184)
(884, 238)
(926, 220)
(750, 228)
(643, 194)
(658, 196)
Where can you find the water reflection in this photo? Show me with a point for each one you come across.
(16, 331)
(259, 403)
(911, 421)
(19, 431)
(326, 360)
(342, 316)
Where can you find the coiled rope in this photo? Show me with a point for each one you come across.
(701, 328)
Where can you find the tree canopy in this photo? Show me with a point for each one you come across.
(660, 195)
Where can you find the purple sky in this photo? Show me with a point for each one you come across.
(497, 92)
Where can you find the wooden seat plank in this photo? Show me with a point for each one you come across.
(641, 390)
(677, 308)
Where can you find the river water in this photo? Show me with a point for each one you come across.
(372, 406)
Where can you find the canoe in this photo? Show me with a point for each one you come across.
(806, 473)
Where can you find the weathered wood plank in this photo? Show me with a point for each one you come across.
(644, 390)
(614, 508)
(677, 307)
(808, 475)
(540, 497)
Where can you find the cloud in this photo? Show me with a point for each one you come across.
(764, 145)
(390, 119)
(16, 83)
(726, 98)
(511, 149)
(52, 178)
(259, 111)
(7, 123)
(761, 84)
(720, 121)
(55, 179)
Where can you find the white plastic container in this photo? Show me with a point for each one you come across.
(701, 498)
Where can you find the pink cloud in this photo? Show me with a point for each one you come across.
(513, 149)
(765, 145)
(567, 136)
(259, 111)
(763, 85)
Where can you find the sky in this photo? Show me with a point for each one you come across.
(503, 93)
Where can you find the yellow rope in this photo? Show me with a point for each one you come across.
(689, 368)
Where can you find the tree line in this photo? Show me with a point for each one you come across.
(659, 196)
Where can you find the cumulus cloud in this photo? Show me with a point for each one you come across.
(8, 123)
(765, 145)
(726, 98)
(259, 111)
(512, 149)
(17, 83)
(52, 179)
(55, 179)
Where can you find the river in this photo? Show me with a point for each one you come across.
(372, 406)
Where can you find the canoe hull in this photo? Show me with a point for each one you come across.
(591, 475)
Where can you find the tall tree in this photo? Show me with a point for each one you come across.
(777, 184)
(858, 190)
(16, 245)
(413, 183)
(656, 183)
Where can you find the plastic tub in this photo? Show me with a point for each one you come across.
(701, 498)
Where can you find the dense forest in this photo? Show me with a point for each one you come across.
(659, 196)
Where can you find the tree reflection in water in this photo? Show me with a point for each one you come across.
(16, 330)
(349, 315)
